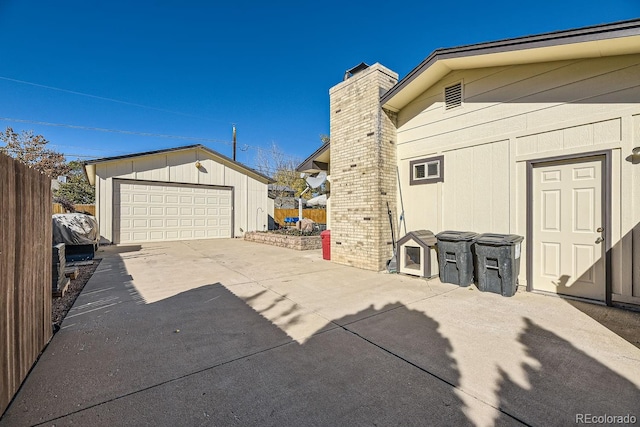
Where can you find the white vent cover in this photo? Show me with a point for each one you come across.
(453, 96)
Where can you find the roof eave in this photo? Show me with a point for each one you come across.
(309, 164)
(595, 41)
(232, 163)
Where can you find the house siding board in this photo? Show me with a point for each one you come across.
(179, 167)
(519, 113)
(630, 221)
(555, 94)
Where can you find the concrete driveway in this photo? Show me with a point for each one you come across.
(227, 332)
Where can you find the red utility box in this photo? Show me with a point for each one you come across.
(326, 244)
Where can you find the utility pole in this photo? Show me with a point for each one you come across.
(234, 141)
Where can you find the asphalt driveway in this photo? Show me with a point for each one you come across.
(227, 332)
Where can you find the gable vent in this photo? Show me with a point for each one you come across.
(453, 96)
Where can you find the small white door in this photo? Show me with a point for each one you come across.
(568, 252)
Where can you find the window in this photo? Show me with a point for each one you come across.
(453, 96)
(426, 171)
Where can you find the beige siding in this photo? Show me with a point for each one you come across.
(514, 114)
(180, 167)
(535, 96)
(476, 188)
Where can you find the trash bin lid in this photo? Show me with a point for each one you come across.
(492, 239)
(456, 236)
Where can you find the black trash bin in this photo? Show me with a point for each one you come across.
(455, 257)
(498, 263)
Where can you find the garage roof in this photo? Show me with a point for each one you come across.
(620, 38)
(90, 169)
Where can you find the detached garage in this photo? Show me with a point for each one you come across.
(182, 193)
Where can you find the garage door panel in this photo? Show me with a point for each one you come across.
(161, 211)
(156, 223)
(156, 235)
(140, 223)
(140, 211)
(139, 236)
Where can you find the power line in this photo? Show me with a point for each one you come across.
(245, 147)
(83, 148)
(126, 132)
(102, 98)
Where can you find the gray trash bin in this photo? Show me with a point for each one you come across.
(455, 257)
(498, 263)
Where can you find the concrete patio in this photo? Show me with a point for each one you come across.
(228, 332)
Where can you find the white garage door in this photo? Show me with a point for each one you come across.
(151, 212)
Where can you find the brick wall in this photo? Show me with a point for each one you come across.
(363, 170)
(300, 243)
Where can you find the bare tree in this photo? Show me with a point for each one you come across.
(281, 168)
(31, 150)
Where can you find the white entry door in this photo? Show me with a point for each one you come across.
(568, 228)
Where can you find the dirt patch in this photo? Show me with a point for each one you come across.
(61, 306)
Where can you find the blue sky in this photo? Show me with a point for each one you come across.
(191, 69)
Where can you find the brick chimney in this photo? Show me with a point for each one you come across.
(363, 168)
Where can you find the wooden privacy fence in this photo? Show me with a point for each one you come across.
(25, 272)
(90, 209)
(317, 215)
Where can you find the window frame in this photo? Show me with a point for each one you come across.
(426, 180)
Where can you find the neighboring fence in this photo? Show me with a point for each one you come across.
(90, 209)
(317, 215)
(25, 272)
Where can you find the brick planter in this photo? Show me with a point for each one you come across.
(300, 243)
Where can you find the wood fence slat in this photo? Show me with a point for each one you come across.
(91, 209)
(25, 272)
(317, 215)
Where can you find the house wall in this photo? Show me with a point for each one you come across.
(514, 114)
(363, 160)
(250, 195)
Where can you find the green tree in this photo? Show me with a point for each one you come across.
(31, 150)
(77, 189)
